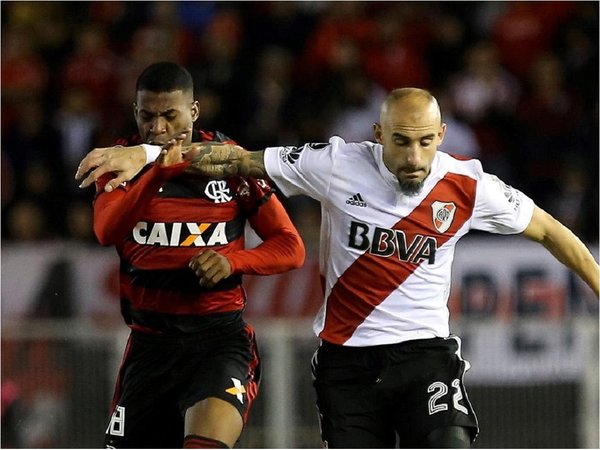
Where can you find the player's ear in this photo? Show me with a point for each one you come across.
(377, 132)
(135, 110)
(442, 133)
(195, 110)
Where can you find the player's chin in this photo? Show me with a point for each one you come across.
(411, 186)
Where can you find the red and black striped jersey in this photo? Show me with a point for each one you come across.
(163, 217)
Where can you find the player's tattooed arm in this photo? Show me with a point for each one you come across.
(222, 160)
(212, 159)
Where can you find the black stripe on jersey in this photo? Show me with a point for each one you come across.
(264, 199)
(188, 186)
(175, 280)
(206, 327)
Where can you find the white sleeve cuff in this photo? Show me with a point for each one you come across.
(152, 152)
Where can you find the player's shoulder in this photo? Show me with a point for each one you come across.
(460, 164)
(352, 150)
(211, 135)
(340, 142)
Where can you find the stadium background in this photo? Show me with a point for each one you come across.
(518, 84)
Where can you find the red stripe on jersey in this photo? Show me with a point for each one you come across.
(370, 279)
(207, 135)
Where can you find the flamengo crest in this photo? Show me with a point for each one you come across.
(443, 215)
(218, 191)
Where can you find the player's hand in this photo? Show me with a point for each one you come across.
(211, 267)
(217, 160)
(171, 152)
(126, 162)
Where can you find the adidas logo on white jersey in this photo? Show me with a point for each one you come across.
(356, 200)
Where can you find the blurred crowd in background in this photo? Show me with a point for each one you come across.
(517, 82)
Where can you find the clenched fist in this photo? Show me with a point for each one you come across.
(210, 267)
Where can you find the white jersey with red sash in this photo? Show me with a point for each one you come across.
(385, 257)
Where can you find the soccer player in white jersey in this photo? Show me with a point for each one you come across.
(388, 372)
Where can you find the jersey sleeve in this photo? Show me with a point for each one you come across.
(282, 248)
(117, 212)
(302, 170)
(500, 208)
(251, 193)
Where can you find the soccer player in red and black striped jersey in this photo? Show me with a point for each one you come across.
(191, 368)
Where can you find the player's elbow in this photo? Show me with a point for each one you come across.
(297, 252)
(104, 236)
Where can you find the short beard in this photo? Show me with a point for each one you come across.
(411, 188)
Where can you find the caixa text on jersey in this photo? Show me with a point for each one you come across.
(185, 234)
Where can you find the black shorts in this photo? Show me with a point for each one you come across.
(376, 397)
(162, 376)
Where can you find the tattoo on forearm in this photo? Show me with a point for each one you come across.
(219, 160)
(257, 164)
(197, 152)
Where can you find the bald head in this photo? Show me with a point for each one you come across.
(416, 105)
(410, 131)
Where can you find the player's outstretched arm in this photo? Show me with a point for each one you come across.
(565, 246)
(223, 160)
(211, 159)
(125, 162)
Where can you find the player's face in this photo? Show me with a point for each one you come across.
(410, 138)
(162, 115)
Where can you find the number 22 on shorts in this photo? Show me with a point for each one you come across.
(439, 390)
